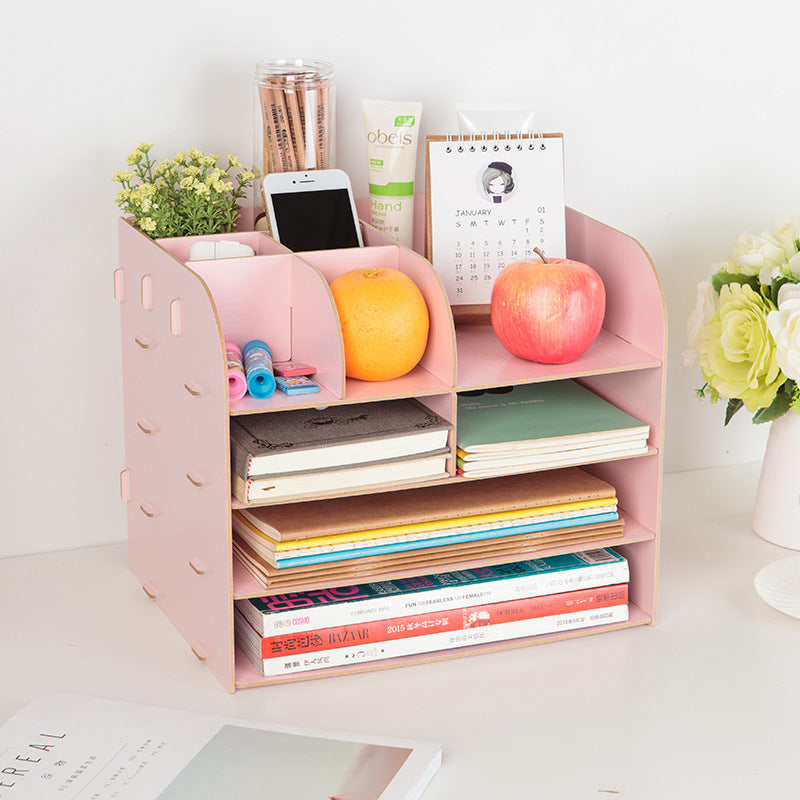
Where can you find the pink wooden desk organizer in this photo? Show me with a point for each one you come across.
(176, 481)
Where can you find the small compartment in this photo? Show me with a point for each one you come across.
(260, 243)
(436, 370)
(282, 300)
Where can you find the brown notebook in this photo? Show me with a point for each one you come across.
(450, 500)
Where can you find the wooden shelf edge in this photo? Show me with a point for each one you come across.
(247, 676)
(390, 487)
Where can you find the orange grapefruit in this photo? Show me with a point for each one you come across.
(384, 322)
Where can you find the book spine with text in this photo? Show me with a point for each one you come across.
(585, 617)
(384, 630)
(304, 611)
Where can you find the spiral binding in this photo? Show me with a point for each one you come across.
(500, 141)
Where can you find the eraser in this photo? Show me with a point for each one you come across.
(228, 249)
(207, 250)
(297, 384)
(290, 368)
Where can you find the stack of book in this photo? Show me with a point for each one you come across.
(298, 632)
(318, 544)
(310, 451)
(541, 426)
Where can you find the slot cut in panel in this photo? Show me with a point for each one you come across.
(147, 510)
(125, 485)
(200, 652)
(150, 590)
(198, 566)
(119, 285)
(175, 316)
(194, 479)
(147, 292)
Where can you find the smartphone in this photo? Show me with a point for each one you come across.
(312, 210)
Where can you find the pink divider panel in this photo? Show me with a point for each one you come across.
(439, 357)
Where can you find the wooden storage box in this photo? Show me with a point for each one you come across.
(176, 316)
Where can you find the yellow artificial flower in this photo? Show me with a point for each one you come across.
(738, 356)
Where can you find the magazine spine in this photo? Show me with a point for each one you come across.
(443, 640)
(412, 625)
(345, 611)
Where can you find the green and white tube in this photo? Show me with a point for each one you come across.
(392, 129)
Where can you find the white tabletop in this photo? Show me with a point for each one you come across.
(702, 705)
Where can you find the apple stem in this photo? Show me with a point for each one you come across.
(540, 254)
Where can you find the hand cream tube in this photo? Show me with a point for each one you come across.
(392, 130)
(478, 118)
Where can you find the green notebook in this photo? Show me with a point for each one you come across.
(540, 415)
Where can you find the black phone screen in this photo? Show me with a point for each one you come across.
(315, 220)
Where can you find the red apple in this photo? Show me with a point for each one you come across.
(548, 310)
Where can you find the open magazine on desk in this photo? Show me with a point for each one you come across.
(86, 748)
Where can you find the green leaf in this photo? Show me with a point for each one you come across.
(734, 404)
(723, 278)
(779, 406)
(776, 286)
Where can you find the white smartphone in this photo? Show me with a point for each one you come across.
(312, 210)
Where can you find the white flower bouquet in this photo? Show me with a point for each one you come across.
(187, 195)
(744, 332)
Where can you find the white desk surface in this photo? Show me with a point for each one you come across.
(705, 704)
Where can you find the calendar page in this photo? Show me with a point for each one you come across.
(491, 200)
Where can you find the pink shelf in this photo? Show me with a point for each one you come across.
(483, 361)
(176, 482)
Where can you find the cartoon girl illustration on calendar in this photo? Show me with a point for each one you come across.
(497, 181)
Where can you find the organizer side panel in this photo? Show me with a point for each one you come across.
(176, 441)
(634, 300)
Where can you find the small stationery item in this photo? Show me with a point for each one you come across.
(258, 369)
(295, 98)
(296, 384)
(70, 746)
(490, 200)
(237, 382)
(207, 250)
(291, 368)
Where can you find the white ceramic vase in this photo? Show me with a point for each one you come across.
(776, 516)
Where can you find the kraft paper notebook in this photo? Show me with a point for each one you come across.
(399, 565)
(306, 520)
(490, 200)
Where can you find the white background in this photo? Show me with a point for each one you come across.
(680, 122)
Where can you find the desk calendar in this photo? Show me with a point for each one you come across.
(491, 200)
